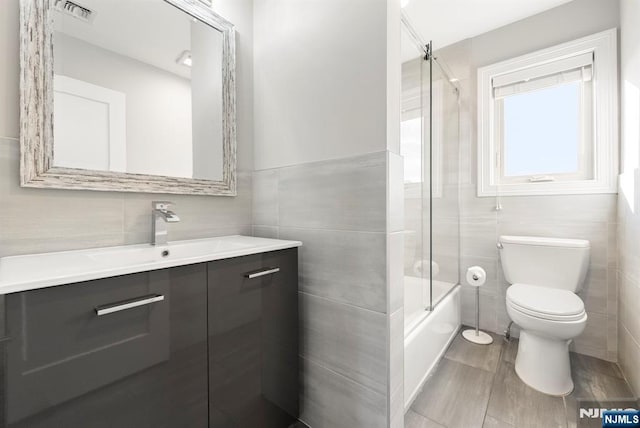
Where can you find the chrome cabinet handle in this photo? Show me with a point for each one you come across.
(128, 304)
(259, 273)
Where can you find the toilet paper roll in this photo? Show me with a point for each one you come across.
(476, 276)
(420, 268)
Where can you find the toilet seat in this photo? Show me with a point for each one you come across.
(546, 303)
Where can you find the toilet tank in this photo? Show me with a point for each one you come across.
(549, 262)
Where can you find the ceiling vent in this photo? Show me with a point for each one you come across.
(74, 9)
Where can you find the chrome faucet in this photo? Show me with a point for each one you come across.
(161, 215)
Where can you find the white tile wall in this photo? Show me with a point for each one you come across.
(629, 280)
(396, 369)
(395, 271)
(395, 289)
(345, 194)
(345, 338)
(42, 220)
(554, 216)
(330, 400)
(345, 266)
(629, 201)
(347, 269)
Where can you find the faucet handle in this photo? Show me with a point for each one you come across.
(161, 205)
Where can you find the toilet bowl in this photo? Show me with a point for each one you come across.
(549, 319)
(545, 274)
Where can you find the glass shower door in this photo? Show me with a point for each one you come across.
(416, 266)
(441, 180)
(430, 148)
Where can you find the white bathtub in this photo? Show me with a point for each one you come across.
(427, 335)
(416, 299)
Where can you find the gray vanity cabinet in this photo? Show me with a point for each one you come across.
(140, 367)
(219, 349)
(253, 340)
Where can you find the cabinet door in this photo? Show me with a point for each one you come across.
(280, 331)
(145, 366)
(253, 341)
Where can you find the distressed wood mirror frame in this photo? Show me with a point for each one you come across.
(36, 114)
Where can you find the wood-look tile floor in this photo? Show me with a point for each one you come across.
(477, 386)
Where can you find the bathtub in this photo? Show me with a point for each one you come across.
(427, 333)
(416, 299)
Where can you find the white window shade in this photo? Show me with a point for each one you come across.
(566, 70)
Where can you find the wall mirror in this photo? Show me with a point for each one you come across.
(127, 95)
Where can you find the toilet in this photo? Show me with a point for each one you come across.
(545, 274)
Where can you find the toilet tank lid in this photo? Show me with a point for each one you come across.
(547, 242)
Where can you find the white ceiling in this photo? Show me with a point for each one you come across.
(450, 21)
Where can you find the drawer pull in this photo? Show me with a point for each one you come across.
(259, 273)
(128, 304)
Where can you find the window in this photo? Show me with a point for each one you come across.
(415, 138)
(411, 149)
(547, 121)
(556, 148)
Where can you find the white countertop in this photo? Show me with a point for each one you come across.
(30, 272)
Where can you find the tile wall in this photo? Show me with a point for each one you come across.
(351, 320)
(629, 200)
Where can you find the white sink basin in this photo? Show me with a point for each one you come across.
(21, 273)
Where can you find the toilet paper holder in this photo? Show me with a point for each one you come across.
(477, 277)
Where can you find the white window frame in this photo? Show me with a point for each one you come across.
(603, 46)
